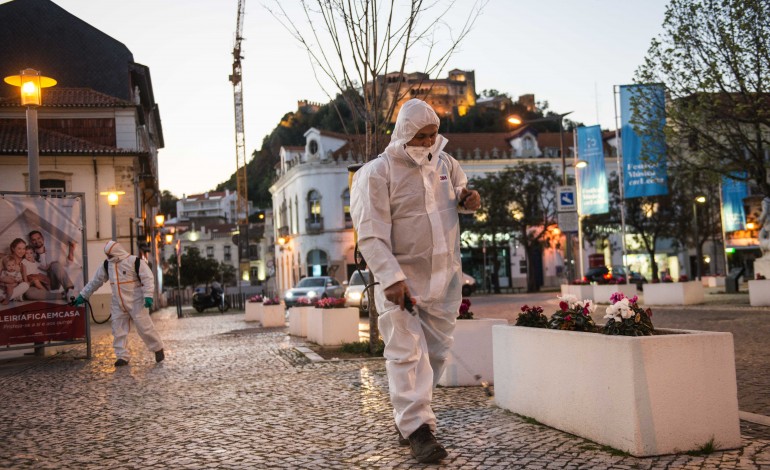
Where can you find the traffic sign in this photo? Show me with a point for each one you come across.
(566, 198)
(568, 221)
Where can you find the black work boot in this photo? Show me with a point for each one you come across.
(424, 446)
(402, 441)
(121, 362)
(159, 356)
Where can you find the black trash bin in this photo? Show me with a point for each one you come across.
(731, 282)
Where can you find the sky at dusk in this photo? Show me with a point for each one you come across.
(567, 52)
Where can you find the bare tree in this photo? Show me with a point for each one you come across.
(354, 44)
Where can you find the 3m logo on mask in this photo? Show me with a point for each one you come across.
(443, 178)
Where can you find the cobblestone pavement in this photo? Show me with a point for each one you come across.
(233, 396)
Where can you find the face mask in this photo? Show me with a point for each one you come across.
(420, 155)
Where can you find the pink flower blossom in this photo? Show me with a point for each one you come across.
(564, 306)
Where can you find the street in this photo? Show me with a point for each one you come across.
(231, 394)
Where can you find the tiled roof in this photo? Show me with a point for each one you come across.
(13, 141)
(57, 97)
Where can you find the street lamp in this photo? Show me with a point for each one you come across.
(112, 200)
(517, 121)
(31, 83)
(698, 200)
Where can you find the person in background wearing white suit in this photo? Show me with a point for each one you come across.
(131, 299)
(405, 206)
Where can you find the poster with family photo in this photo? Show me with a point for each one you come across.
(41, 268)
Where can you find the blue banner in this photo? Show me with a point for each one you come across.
(643, 145)
(592, 179)
(733, 192)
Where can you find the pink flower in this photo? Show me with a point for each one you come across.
(525, 308)
(564, 306)
(568, 318)
(633, 299)
(464, 308)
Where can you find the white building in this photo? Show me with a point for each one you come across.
(213, 206)
(311, 208)
(99, 127)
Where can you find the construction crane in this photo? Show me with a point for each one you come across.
(242, 204)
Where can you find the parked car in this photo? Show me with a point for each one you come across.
(356, 294)
(598, 274)
(603, 275)
(313, 288)
(633, 277)
(469, 285)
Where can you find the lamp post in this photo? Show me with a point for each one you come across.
(517, 121)
(698, 255)
(31, 84)
(579, 165)
(112, 199)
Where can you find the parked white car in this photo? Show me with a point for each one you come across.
(355, 294)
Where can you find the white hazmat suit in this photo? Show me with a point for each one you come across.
(128, 293)
(405, 210)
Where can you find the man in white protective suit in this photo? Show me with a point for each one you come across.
(132, 291)
(405, 206)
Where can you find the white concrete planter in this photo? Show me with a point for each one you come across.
(298, 320)
(332, 326)
(674, 293)
(471, 353)
(582, 292)
(646, 395)
(273, 316)
(602, 292)
(253, 311)
(713, 281)
(759, 293)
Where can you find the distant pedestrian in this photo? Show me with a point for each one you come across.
(405, 207)
(131, 299)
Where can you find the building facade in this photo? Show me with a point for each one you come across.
(99, 127)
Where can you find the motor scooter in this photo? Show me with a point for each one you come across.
(203, 301)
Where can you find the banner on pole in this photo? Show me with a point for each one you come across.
(733, 192)
(643, 117)
(592, 179)
(42, 262)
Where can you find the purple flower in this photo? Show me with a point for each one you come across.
(616, 297)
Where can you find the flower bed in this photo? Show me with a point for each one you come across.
(604, 291)
(581, 291)
(330, 323)
(298, 319)
(674, 293)
(664, 391)
(469, 361)
(253, 311)
(273, 313)
(759, 292)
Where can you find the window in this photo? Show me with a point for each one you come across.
(228, 256)
(317, 261)
(346, 208)
(53, 186)
(313, 147)
(209, 252)
(314, 206)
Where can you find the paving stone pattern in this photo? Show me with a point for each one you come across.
(232, 396)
